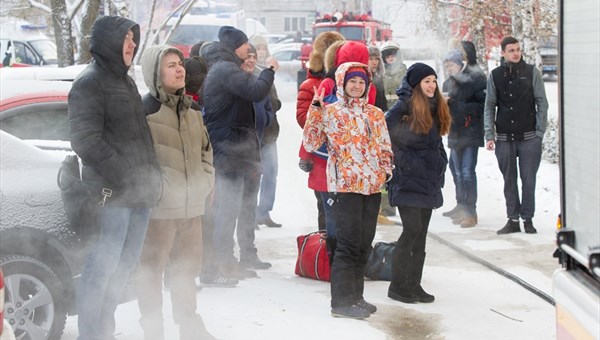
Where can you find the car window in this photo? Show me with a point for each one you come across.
(24, 54)
(49, 122)
(284, 55)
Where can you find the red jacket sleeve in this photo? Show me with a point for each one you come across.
(305, 96)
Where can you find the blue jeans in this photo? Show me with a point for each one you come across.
(235, 204)
(526, 155)
(329, 216)
(107, 269)
(462, 165)
(268, 183)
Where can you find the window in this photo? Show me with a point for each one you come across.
(294, 24)
(38, 121)
(24, 54)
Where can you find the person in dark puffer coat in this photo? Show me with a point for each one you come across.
(416, 124)
(110, 134)
(229, 93)
(465, 88)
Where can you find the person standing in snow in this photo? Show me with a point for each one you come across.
(175, 230)
(229, 93)
(357, 168)
(109, 132)
(515, 117)
(310, 163)
(268, 148)
(416, 124)
(465, 88)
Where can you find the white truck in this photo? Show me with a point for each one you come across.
(577, 285)
(24, 44)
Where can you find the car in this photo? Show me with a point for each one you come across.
(38, 116)
(23, 44)
(40, 251)
(289, 61)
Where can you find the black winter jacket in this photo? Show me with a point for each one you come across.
(420, 159)
(228, 111)
(107, 122)
(467, 99)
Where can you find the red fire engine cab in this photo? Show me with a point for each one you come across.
(357, 27)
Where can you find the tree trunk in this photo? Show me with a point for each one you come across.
(91, 13)
(62, 33)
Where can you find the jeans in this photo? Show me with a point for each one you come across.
(268, 183)
(107, 269)
(235, 204)
(329, 212)
(462, 165)
(526, 155)
(356, 217)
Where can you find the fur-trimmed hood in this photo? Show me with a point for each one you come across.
(345, 51)
(323, 41)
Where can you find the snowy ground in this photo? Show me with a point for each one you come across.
(472, 302)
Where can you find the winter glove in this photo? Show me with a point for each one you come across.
(305, 165)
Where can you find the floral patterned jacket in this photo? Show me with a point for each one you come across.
(358, 142)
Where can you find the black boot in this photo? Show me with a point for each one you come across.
(399, 288)
(418, 260)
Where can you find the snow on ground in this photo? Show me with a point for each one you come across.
(472, 302)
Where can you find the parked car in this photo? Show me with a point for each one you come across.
(24, 44)
(289, 61)
(36, 116)
(40, 252)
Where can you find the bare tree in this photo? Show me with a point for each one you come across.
(62, 32)
(90, 14)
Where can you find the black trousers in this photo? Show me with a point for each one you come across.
(409, 255)
(356, 221)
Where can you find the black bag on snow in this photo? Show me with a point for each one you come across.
(379, 266)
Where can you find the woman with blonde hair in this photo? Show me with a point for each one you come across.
(416, 124)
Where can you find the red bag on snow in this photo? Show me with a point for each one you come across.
(313, 260)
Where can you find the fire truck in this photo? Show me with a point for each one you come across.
(357, 27)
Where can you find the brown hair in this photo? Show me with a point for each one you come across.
(421, 119)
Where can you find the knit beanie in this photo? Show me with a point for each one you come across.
(416, 72)
(356, 71)
(259, 40)
(454, 56)
(195, 71)
(252, 49)
(232, 37)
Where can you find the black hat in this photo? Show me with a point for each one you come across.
(416, 72)
(231, 37)
(195, 71)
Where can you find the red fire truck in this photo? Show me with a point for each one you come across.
(357, 27)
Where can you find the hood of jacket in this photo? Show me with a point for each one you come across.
(404, 91)
(340, 74)
(106, 42)
(216, 52)
(345, 51)
(316, 60)
(151, 61)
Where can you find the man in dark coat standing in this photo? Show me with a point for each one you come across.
(231, 121)
(110, 134)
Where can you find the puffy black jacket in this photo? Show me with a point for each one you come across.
(467, 99)
(420, 159)
(107, 122)
(228, 111)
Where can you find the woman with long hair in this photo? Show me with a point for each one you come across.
(416, 124)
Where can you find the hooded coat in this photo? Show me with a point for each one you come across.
(181, 142)
(467, 98)
(420, 159)
(358, 143)
(314, 76)
(107, 122)
(228, 111)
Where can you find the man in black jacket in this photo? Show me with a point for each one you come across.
(110, 134)
(515, 116)
(230, 118)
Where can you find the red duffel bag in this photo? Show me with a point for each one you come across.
(313, 260)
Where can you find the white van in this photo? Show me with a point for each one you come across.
(24, 44)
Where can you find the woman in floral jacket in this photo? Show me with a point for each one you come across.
(360, 161)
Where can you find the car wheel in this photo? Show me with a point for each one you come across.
(33, 299)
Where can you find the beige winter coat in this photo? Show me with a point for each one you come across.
(182, 145)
